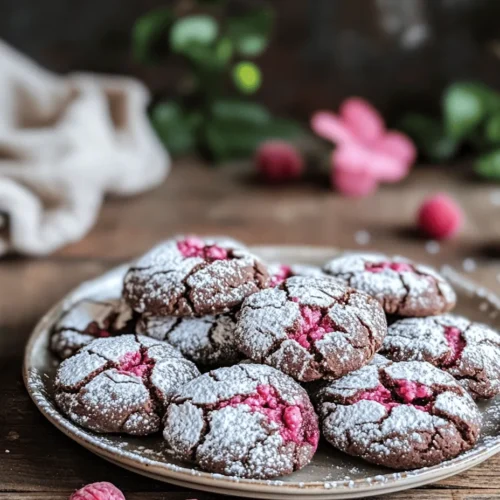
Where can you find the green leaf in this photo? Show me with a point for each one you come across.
(250, 33)
(465, 107)
(236, 139)
(224, 50)
(492, 130)
(488, 165)
(211, 57)
(148, 30)
(239, 110)
(247, 77)
(189, 31)
(429, 137)
(176, 129)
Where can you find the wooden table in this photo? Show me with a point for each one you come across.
(38, 462)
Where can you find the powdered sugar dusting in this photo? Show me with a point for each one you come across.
(208, 341)
(87, 320)
(401, 415)
(310, 328)
(400, 285)
(467, 350)
(178, 277)
(331, 468)
(248, 420)
(281, 272)
(121, 384)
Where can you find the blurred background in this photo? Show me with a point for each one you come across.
(397, 53)
(217, 79)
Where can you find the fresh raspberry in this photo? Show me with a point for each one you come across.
(440, 217)
(278, 161)
(98, 491)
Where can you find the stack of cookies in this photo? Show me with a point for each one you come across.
(224, 353)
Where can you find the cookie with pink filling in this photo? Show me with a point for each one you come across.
(402, 415)
(190, 276)
(281, 272)
(121, 384)
(247, 420)
(467, 350)
(207, 341)
(311, 328)
(400, 285)
(87, 320)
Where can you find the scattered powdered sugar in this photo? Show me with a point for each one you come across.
(400, 285)
(362, 237)
(432, 247)
(469, 265)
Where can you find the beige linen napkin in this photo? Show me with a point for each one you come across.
(65, 142)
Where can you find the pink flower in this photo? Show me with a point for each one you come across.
(366, 152)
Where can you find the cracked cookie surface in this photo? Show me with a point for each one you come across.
(281, 272)
(189, 276)
(311, 328)
(87, 320)
(247, 420)
(121, 384)
(208, 341)
(400, 285)
(403, 415)
(467, 350)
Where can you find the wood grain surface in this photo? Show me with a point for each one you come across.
(37, 462)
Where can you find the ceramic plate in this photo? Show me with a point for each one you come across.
(331, 474)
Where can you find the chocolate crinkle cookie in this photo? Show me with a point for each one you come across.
(121, 384)
(207, 341)
(311, 328)
(281, 272)
(87, 320)
(402, 415)
(469, 351)
(189, 276)
(400, 285)
(247, 420)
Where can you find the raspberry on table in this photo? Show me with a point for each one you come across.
(440, 217)
(98, 491)
(278, 161)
